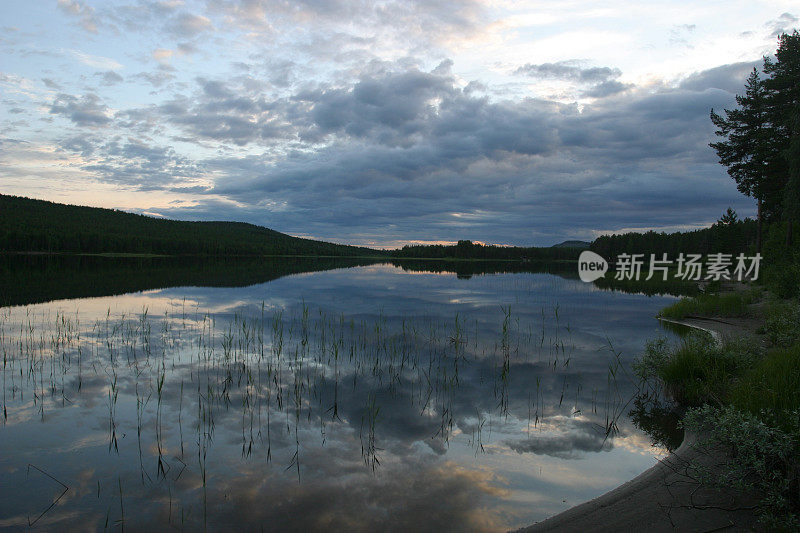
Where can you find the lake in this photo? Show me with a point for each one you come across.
(301, 395)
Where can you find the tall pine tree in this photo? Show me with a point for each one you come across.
(746, 150)
(783, 109)
(761, 137)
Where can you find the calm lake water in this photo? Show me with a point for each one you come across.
(371, 397)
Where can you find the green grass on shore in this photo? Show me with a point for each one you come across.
(734, 304)
(742, 396)
(743, 372)
(771, 385)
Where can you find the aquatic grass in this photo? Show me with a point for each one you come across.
(31, 523)
(295, 365)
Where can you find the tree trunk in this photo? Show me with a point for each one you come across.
(758, 231)
(789, 224)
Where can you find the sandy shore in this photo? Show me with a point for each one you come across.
(667, 497)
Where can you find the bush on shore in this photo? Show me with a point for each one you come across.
(741, 396)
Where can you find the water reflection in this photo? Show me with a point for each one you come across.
(27, 279)
(362, 398)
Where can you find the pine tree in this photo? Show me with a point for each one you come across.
(747, 150)
(783, 108)
(728, 218)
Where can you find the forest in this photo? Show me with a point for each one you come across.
(728, 235)
(28, 225)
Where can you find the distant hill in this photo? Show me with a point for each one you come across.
(573, 244)
(28, 225)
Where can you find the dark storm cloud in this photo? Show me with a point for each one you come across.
(408, 152)
(412, 126)
(390, 109)
(84, 111)
(569, 70)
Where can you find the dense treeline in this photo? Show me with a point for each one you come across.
(470, 250)
(39, 226)
(729, 235)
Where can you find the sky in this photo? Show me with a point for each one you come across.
(382, 123)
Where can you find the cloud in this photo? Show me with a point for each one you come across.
(415, 497)
(188, 26)
(162, 54)
(414, 24)
(84, 111)
(134, 163)
(109, 77)
(50, 84)
(786, 23)
(400, 150)
(100, 62)
(602, 80)
(81, 144)
(570, 70)
(729, 78)
(156, 79)
(607, 88)
(84, 13)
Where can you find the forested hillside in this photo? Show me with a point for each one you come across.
(39, 226)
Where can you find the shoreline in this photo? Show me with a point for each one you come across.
(665, 497)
